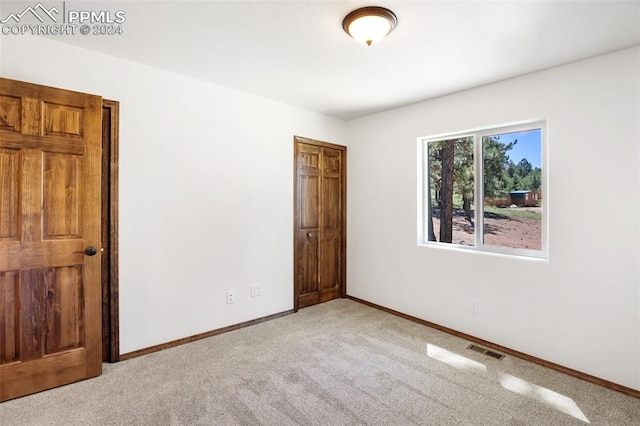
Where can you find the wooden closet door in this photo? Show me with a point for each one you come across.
(50, 312)
(319, 254)
(330, 244)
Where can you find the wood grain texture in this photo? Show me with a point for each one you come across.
(62, 120)
(64, 328)
(23, 378)
(30, 178)
(31, 115)
(9, 186)
(56, 298)
(110, 294)
(9, 308)
(320, 222)
(10, 113)
(62, 194)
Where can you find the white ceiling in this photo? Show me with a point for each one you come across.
(296, 51)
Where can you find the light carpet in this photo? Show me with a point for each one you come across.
(338, 363)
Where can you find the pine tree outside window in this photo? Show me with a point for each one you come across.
(485, 190)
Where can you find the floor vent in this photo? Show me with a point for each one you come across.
(485, 351)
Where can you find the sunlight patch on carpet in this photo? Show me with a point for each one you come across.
(553, 399)
(455, 360)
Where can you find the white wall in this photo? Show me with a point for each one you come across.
(206, 205)
(206, 189)
(581, 309)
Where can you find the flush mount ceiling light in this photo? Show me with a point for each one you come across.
(369, 25)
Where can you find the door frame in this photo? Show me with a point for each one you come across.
(296, 217)
(109, 226)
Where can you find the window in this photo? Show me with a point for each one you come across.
(485, 190)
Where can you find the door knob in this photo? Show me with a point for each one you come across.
(309, 234)
(89, 251)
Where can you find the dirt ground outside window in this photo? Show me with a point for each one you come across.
(503, 230)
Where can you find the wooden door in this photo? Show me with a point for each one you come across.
(50, 312)
(319, 246)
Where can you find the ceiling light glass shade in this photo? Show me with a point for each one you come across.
(369, 25)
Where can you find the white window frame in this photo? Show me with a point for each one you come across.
(477, 135)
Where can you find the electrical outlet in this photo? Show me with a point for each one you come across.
(474, 306)
(231, 296)
(256, 290)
